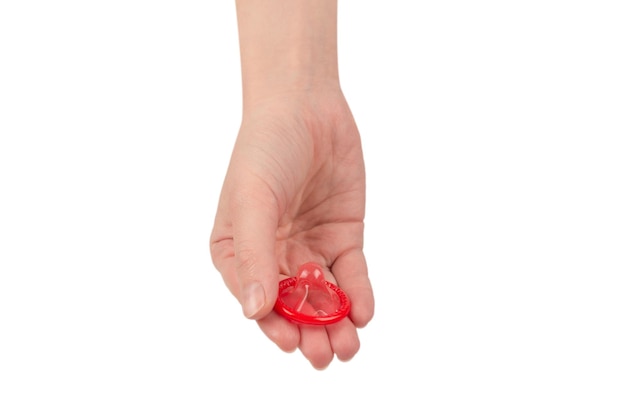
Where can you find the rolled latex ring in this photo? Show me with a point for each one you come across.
(300, 318)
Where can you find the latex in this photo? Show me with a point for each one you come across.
(309, 299)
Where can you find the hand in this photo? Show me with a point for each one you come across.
(294, 192)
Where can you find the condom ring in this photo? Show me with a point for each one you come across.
(309, 299)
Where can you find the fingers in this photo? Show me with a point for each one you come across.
(284, 334)
(254, 222)
(350, 271)
(343, 339)
(315, 346)
(319, 344)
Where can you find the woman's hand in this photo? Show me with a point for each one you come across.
(295, 192)
(295, 187)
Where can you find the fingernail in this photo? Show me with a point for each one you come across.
(253, 299)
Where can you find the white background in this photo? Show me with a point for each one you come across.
(494, 140)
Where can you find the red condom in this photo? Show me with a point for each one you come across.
(309, 299)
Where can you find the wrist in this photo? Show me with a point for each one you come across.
(287, 46)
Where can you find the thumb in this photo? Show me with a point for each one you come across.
(255, 220)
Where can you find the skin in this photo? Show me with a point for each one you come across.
(294, 191)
